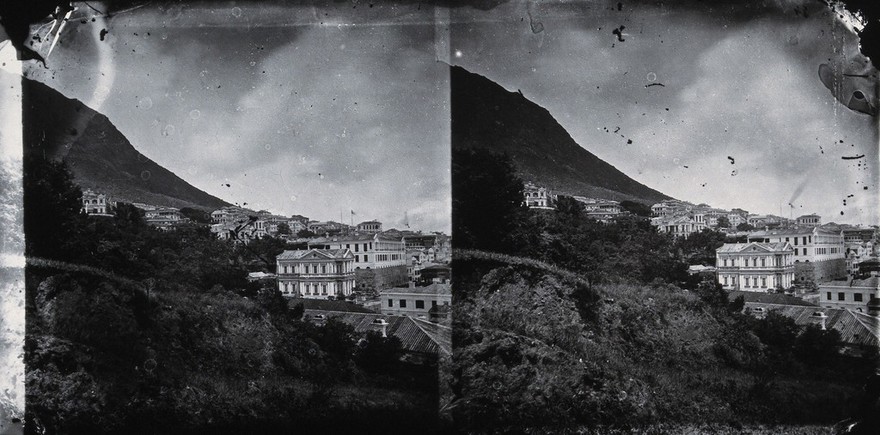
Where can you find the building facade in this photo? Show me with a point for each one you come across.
(415, 301)
(537, 197)
(755, 266)
(852, 294)
(810, 220)
(94, 203)
(316, 273)
(369, 227)
(819, 253)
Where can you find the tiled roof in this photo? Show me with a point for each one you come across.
(415, 335)
(433, 289)
(872, 282)
(855, 328)
(740, 247)
(325, 305)
(326, 253)
(769, 298)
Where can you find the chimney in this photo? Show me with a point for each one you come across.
(381, 325)
(819, 318)
(874, 307)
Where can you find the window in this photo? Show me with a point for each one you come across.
(828, 296)
(857, 297)
(403, 303)
(323, 268)
(323, 289)
(421, 304)
(804, 240)
(763, 282)
(356, 247)
(763, 262)
(841, 296)
(356, 258)
(725, 280)
(795, 241)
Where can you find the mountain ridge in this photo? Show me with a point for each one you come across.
(98, 155)
(486, 115)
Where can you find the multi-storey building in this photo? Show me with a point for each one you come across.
(371, 251)
(810, 220)
(94, 203)
(415, 301)
(755, 266)
(231, 214)
(537, 197)
(163, 217)
(380, 260)
(818, 251)
(316, 273)
(852, 294)
(678, 226)
(369, 227)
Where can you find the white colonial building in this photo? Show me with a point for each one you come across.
(755, 266)
(315, 273)
(537, 197)
(811, 244)
(369, 227)
(94, 203)
(371, 251)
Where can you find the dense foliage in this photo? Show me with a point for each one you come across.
(131, 329)
(628, 339)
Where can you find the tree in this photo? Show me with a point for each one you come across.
(568, 206)
(379, 354)
(744, 227)
(196, 215)
(487, 199)
(723, 222)
(305, 233)
(52, 204)
(636, 208)
(284, 228)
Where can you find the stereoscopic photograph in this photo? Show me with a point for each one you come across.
(565, 216)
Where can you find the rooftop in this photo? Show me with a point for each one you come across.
(315, 253)
(855, 328)
(769, 298)
(872, 282)
(432, 289)
(415, 335)
(754, 247)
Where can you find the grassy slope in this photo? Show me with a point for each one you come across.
(641, 357)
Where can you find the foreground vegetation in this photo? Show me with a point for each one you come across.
(563, 322)
(135, 330)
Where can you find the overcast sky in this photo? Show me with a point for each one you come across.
(299, 110)
(738, 82)
(323, 110)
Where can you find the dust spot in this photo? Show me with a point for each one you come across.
(145, 103)
(195, 114)
(236, 12)
(145, 175)
(619, 33)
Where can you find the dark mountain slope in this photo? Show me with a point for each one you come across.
(98, 154)
(485, 115)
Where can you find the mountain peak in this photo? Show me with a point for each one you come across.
(98, 154)
(485, 115)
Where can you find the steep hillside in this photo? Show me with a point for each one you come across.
(98, 154)
(485, 115)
